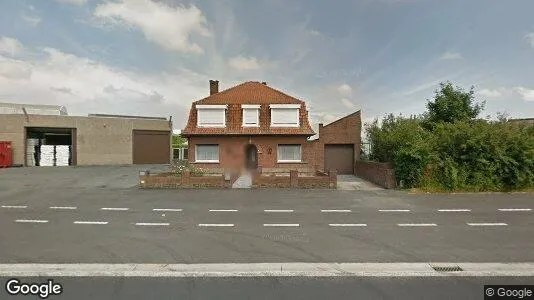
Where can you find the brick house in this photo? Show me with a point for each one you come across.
(253, 125)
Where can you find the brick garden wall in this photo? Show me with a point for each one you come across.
(381, 174)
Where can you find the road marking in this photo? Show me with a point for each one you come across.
(90, 222)
(487, 224)
(63, 207)
(14, 206)
(115, 208)
(31, 221)
(455, 210)
(417, 224)
(421, 269)
(167, 209)
(278, 210)
(336, 210)
(393, 210)
(216, 225)
(281, 225)
(515, 209)
(152, 224)
(223, 210)
(347, 225)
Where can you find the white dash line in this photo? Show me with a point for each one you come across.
(14, 206)
(393, 210)
(31, 221)
(223, 210)
(347, 225)
(278, 210)
(63, 207)
(115, 208)
(336, 210)
(216, 225)
(515, 209)
(417, 225)
(167, 209)
(454, 210)
(152, 224)
(487, 224)
(90, 222)
(281, 225)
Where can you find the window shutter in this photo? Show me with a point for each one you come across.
(211, 117)
(250, 117)
(285, 116)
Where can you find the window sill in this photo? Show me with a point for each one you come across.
(285, 125)
(250, 126)
(290, 162)
(207, 161)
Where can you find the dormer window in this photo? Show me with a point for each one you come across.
(285, 115)
(251, 115)
(211, 115)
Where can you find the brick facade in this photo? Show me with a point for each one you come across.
(382, 174)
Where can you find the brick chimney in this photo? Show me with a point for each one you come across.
(264, 83)
(214, 87)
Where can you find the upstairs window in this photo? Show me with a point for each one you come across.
(251, 115)
(211, 115)
(285, 115)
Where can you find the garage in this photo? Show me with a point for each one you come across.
(151, 147)
(50, 146)
(339, 157)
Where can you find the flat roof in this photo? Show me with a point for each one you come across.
(127, 117)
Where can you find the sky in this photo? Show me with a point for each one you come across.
(153, 58)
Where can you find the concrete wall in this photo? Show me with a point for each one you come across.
(99, 140)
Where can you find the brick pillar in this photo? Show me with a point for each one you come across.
(332, 175)
(186, 176)
(294, 178)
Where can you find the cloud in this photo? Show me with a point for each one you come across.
(530, 39)
(345, 90)
(50, 76)
(74, 2)
(31, 20)
(489, 93)
(348, 103)
(242, 63)
(10, 46)
(526, 94)
(169, 27)
(449, 55)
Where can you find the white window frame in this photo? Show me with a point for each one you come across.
(208, 160)
(285, 106)
(216, 107)
(251, 107)
(288, 160)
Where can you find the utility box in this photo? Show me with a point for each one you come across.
(6, 154)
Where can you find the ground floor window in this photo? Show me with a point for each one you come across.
(207, 153)
(289, 153)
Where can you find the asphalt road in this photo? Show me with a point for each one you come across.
(293, 288)
(166, 226)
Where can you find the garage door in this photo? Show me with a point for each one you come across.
(151, 147)
(340, 158)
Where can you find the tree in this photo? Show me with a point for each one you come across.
(178, 141)
(452, 104)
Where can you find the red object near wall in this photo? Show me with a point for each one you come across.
(6, 154)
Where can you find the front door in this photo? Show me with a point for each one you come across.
(252, 157)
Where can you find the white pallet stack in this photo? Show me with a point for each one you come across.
(31, 144)
(46, 157)
(62, 155)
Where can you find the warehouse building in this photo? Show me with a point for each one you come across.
(48, 136)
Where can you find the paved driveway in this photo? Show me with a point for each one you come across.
(15, 180)
(351, 182)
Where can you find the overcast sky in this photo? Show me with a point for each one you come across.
(147, 57)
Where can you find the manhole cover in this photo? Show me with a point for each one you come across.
(447, 268)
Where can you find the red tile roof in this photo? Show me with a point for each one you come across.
(250, 92)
